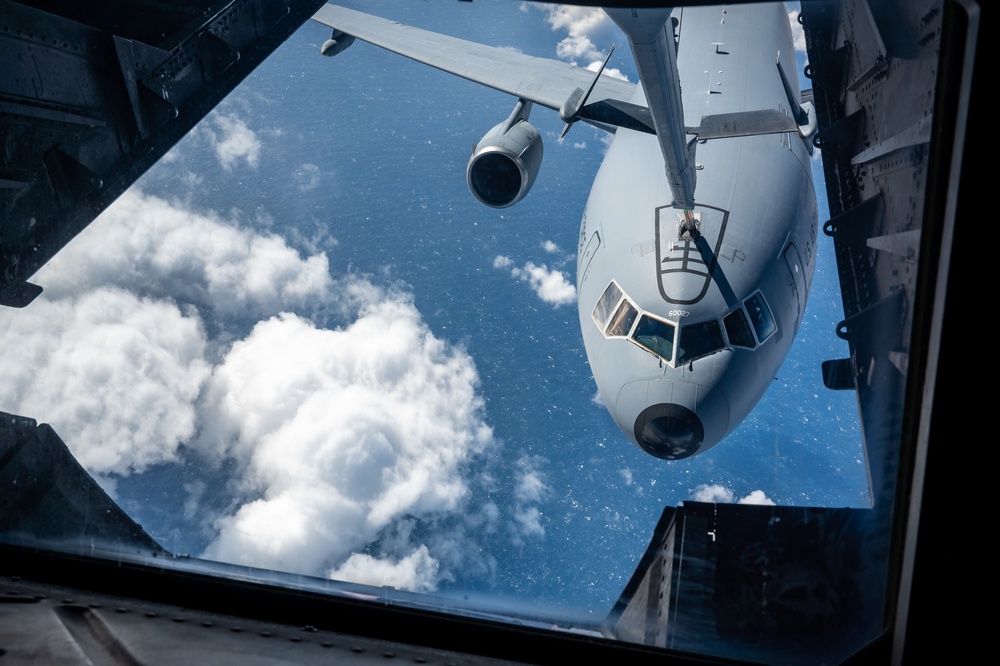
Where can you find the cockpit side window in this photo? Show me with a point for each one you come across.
(621, 322)
(656, 336)
(699, 339)
(614, 300)
(760, 316)
(606, 305)
(738, 329)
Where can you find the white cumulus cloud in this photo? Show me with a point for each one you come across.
(613, 72)
(343, 432)
(529, 522)
(551, 285)
(151, 246)
(798, 33)
(417, 571)
(713, 493)
(119, 372)
(756, 497)
(584, 26)
(235, 141)
(530, 487)
(581, 23)
(116, 350)
(354, 438)
(722, 495)
(529, 490)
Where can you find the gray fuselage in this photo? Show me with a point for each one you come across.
(754, 243)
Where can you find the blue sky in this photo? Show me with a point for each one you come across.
(299, 342)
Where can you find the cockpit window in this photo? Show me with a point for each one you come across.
(699, 339)
(606, 305)
(738, 329)
(621, 323)
(656, 336)
(760, 316)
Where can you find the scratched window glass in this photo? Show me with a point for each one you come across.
(301, 343)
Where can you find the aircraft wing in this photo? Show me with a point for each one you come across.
(540, 80)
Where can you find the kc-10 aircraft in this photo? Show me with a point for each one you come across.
(697, 245)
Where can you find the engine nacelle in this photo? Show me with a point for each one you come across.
(503, 166)
(336, 44)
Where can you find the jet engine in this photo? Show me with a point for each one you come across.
(503, 166)
(336, 44)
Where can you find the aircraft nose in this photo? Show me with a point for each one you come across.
(669, 431)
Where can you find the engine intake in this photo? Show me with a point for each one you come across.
(503, 166)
